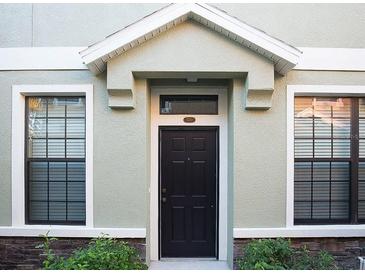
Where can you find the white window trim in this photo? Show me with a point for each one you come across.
(292, 230)
(220, 120)
(18, 146)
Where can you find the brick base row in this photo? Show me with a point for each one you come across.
(20, 252)
(345, 250)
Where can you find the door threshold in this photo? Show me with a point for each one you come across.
(187, 259)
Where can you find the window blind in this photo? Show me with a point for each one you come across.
(55, 165)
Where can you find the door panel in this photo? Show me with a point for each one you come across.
(188, 192)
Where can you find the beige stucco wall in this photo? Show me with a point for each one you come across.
(259, 155)
(257, 150)
(260, 150)
(120, 149)
(189, 47)
(306, 25)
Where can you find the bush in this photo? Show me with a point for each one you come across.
(277, 254)
(101, 254)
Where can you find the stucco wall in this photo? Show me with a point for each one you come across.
(260, 150)
(121, 138)
(314, 25)
(259, 161)
(193, 48)
(119, 149)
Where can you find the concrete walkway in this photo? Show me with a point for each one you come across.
(188, 264)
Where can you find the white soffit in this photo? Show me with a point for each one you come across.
(284, 56)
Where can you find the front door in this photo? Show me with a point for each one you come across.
(188, 191)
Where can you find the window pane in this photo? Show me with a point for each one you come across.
(56, 182)
(189, 104)
(303, 107)
(56, 107)
(56, 128)
(75, 128)
(361, 191)
(38, 190)
(340, 210)
(56, 148)
(76, 171)
(322, 128)
(302, 210)
(38, 171)
(57, 171)
(303, 127)
(362, 107)
(76, 107)
(37, 127)
(342, 108)
(303, 148)
(323, 107)
(76, 191)
(341, 128)
(37, 107)
(321, 210)
(362, 148)
(321, 171)
(341, 148)
(37, 148)
(57, 211)
(321, 186)
(38, 211)
(303, 171)
(76, 211)
(57, 191)
(75, 148)
(322, 148)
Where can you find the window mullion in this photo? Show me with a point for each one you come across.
(354, 158)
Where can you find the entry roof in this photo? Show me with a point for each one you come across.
(283, 55)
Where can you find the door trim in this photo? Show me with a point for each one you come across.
(214, 129)
(219, 121)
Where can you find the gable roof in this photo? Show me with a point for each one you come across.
(284, 56)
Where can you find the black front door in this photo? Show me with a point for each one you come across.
(188, 192)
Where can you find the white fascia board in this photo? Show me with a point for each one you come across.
(70, 231)
(248, 33)
(301, 231)
(41, 58)
(109, 47)
(134, 31)
(340, 59)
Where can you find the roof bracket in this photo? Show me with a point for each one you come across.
(121, 99)
(258, 99)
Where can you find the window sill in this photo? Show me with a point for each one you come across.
(70, 231)
(302, 231)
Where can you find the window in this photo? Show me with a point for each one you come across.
(329, 149)
(189, 104)
(55, 160)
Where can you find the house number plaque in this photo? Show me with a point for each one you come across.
(189, 119)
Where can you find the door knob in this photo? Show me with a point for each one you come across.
(164, 199)
(164, 190)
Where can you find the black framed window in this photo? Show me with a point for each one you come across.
(189, 104)
(55, 160)
(329, 149)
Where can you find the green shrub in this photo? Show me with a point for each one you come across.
(101, 254)
(277, 254)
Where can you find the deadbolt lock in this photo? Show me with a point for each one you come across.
(164, 199)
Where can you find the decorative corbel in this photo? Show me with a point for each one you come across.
(121, 99)
(259, 99)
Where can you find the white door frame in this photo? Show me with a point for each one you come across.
(219, 120)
